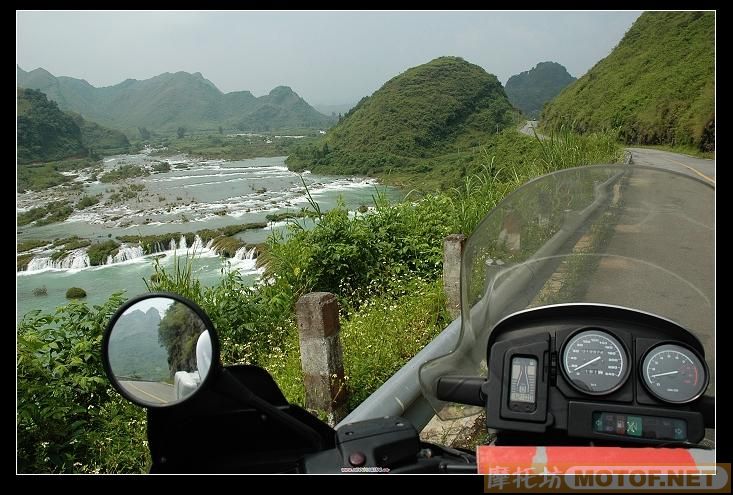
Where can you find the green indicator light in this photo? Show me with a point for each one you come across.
(633, 426)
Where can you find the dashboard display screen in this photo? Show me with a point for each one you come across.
(523, 380)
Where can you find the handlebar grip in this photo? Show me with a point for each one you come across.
(462, 389)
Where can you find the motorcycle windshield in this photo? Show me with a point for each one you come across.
(637, 237)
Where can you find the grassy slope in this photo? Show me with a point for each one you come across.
(427, 111)
(657, 86)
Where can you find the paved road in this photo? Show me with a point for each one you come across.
(667, 223)
(697, 167)
(529, 128)
(155, 392)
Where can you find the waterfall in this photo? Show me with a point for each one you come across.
(198, 244)
(210, 243)
(240, 254)
(244, 254)
(125, 253)
(182, 243)
(78, 258)
(172, 245)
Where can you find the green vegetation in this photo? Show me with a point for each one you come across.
(86, 202)
(37, 176)
(214, 146)
(56, 211)
(178, 332)
(530, 90)
(45, 133)
(428, 111)
(161, 167)
(75, 293)
(69, 418)
(29, 244)
(124, 172)
(99, 140)
(385, 269)
(167, 102)
(99, 252)
(656, 87)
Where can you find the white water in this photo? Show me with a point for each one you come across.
(209, 194)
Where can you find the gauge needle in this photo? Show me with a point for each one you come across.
(663, 374)
(589, 362)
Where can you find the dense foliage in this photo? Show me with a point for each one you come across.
(69, 419)
(45, 133)
(656, 87)
(167, 102)
(425, 112)
(530, 90)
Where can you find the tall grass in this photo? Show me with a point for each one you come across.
(564, 148)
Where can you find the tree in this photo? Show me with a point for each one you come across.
(181, 132)
(221, 130)
(178, 332)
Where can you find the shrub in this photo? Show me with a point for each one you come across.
(75, 293)
(69, 418)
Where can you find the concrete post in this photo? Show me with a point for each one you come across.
(321, 357)
(452, 253)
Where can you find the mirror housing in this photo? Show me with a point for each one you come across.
(160, 349)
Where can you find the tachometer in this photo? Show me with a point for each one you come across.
(674, 373)
(595, 362)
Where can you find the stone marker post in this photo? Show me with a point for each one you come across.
(321, 357)
(452, 253)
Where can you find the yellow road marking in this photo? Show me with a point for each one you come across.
(693, 169)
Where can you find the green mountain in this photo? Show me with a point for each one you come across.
(427, 111)
(530, 90)
(166, 102)
(656, 87)
(45, 133)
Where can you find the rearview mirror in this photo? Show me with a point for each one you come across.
(160, 349)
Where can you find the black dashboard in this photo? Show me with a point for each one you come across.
(597, 372)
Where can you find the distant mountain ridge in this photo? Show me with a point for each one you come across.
(656, 87)
(171, 100)
(530, 90)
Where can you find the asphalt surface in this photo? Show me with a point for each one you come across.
(697, 167)
(663, 245)
(154, 392)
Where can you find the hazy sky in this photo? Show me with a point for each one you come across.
(326, 57)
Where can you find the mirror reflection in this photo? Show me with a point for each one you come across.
(159, 351)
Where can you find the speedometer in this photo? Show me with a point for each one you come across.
(674, 373)
(595, 362)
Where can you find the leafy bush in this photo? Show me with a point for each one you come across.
(69, 417)
(75, 293)
(86, 202)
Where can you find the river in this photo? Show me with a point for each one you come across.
(195, 194)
